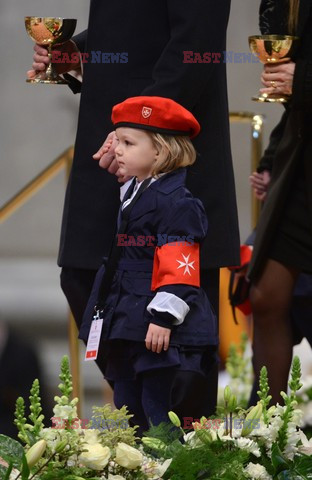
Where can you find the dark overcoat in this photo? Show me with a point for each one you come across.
(165, 209)
(291, 140)
(154, 35)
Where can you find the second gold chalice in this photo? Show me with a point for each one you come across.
(47, 31)
(273, 49)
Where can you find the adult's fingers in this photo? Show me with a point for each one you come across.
(31, 74)
(261, 196)
(256, 179)
(279, 82)
(41, 55)
(104, 149)
(105, 159)
(280, 89)
(109, 162)
(122, 178)
(105, 146)
(40, 50)
(113, 168)
(41, 67)
(257, 183)
(40, 58)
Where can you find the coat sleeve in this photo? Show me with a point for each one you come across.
(186, 217)
(80, 40)
(197, 26)
(266, 162)
(273, 17)
(302, 86)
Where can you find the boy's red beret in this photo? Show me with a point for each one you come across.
(157, 114)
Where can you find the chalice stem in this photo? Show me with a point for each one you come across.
(50, 74)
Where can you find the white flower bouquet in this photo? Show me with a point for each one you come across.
(257, 443)
(104, 449)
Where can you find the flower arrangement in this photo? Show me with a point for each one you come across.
(105, 448)
(261, 442)
(258, 443)
(239, 369)
(304, 399)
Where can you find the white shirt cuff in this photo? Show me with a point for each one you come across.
(76, 73)
(168, 302)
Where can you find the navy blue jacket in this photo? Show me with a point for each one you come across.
(166, 207)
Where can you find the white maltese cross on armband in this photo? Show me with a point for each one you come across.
(165, 268)
(187, 264)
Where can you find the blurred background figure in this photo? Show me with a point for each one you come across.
(283, 244)
(19, 366)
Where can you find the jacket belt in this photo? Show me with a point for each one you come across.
(134, 265)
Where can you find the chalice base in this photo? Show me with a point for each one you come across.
(271, 98)
(54, 81)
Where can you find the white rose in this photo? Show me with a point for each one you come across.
(96, 457)
(128, 457)
(115, 477)
(257, 472)
(248, 445)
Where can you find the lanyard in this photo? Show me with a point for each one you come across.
(115, 253)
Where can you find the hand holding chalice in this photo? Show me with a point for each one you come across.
(48, 31)
(272, 50)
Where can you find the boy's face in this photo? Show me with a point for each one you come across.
(135, 153)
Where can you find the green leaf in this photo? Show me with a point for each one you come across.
(287, 475)
(25, 468)
(11, 451)
(5, 471)
(73, 477)
(278, 461)
(303, 465)
(31, 438)
(294, 383)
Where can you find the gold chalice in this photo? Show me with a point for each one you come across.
(47, 31)
(273, 49)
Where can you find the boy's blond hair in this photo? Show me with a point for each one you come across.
(175, 152)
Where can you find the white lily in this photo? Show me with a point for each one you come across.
(306, 446)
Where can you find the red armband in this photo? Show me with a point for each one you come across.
(245, 257)
(174, 264)
(239, 287)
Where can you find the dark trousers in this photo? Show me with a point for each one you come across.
(193, 395)
(148, 397)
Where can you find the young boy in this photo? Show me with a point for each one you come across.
(157, 320)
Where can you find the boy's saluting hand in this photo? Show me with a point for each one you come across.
(157, 338)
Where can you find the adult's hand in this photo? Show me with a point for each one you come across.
(106, 157)
(260, 183)
(278, 78)
(41, 59)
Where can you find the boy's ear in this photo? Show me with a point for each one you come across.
(162, 153)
